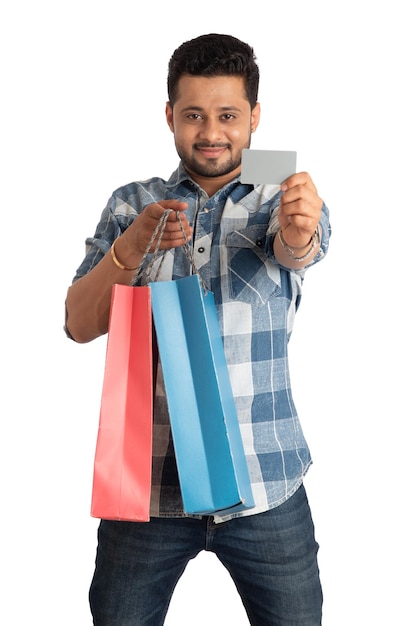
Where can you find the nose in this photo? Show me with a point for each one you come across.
(211, 130)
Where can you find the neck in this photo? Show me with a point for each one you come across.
(212, 185)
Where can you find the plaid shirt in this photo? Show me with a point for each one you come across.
(256, 301)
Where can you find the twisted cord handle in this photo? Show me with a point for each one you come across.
(190, 256)
(158, 232)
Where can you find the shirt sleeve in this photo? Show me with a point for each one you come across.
(115, 219)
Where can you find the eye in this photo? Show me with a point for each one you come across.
(228, 116)
(194, 117)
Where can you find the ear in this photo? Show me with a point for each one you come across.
(255, 117)
(169, 116)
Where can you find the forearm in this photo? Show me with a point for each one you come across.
(88, 299)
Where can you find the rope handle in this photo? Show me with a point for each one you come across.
(158, 231)
(158, 234)
(189, 255)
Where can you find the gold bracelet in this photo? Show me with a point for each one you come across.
(116, 260)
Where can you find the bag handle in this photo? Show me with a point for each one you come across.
(190, 256)
(158, 234)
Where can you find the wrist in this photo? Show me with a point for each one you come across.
(296, 252)
(122, 257)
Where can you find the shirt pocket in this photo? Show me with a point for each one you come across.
(252, 277)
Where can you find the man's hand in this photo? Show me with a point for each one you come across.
(298, 216)
(137, 237)
(299, 211)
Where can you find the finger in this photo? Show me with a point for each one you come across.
(174, 205)
(302, 223)
(300, 198)
(301, 178)
(301, 206)
(178, 228)
(156, 209)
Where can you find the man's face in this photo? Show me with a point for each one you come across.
(212, 122)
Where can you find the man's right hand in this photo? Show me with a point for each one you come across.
(134, 241)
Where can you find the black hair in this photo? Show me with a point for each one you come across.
(214, 55)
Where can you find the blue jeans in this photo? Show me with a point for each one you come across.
(272, 558)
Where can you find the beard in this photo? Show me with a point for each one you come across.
(211, 168)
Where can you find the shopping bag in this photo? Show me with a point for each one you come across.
(210, 457)
(122, 464)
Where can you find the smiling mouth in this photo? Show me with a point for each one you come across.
(211, 152)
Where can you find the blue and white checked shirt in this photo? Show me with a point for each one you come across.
(256, 301)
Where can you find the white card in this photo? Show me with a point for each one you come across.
(267, 167)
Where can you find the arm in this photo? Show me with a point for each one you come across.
(299, 234)
(88, 299)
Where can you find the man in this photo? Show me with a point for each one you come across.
(251, 246)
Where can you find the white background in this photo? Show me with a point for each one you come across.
(82, 112)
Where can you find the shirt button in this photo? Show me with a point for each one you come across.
(201, 249)
(206, 210)
(259, 242)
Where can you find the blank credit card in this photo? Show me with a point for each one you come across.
(267, 167)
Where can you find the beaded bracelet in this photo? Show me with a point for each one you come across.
(314, 241)
(116, 260)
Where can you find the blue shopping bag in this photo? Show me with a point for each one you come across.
(210, 456)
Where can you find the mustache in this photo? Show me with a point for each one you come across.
(204, 144)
